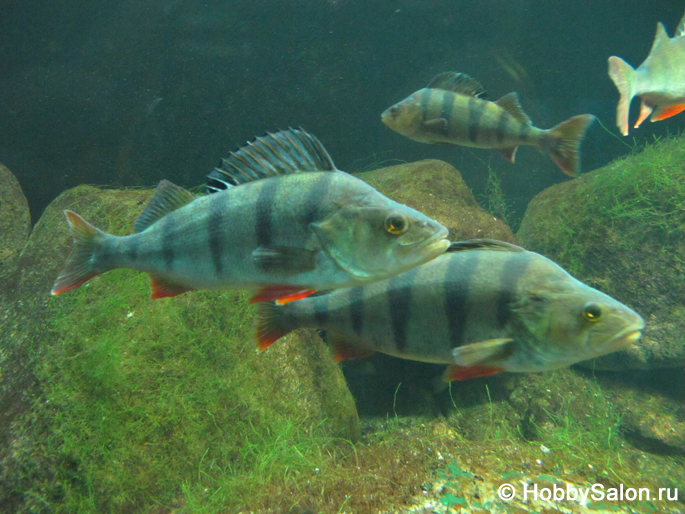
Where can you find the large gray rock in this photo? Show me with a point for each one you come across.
(621, 229)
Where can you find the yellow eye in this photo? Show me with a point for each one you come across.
(396, 224)
(592, 312)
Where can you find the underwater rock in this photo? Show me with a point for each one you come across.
(15, 220)
(103, 386)
(621, 229)
(436, 189)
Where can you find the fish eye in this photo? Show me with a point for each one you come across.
(393, 111)
(592, 312)
(396, 224)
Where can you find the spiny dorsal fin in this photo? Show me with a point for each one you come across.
(168, 197)
(483, 244)
(457, 83)
(510, 103)
(680, 31)
(286, 151)
(659, 38)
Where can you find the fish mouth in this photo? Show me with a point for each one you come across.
(430, 248)
(630, 335)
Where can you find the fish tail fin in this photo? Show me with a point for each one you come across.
(624, 78)
(270, 324)
(80, 266)
(567, 137)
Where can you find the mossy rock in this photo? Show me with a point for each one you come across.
(621, 229)
(113, 402)
(15, 222)
(436, 189)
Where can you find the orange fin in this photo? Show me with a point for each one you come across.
(509, 153)
(160, 288)
(645, 110)
(281, 294)
(344, 349)
(666, 112)
(466, 372)
(269, 325)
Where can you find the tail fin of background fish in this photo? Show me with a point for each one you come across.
(568, 135)
(623, 76)
(270, 324)
(80, 266)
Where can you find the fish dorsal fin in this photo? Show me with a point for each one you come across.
(510, 103)
(457, 83)
(483, 244)
(680, 31)
(168, 197)
(659, 38)
(281, 153)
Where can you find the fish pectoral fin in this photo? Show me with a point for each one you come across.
(456, 372)
(343, 348)
(485, 353)
(509, 153)
(666, 112)
(284, 259)
(645, 110)
(167, 198)
(436, 124)
(281, 294)
(510, 103)
(162, 288)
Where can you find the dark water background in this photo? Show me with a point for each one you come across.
(129, 92)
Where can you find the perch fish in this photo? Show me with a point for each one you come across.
(452, 110)
(284, 222)
(482, 307)
(659, 81)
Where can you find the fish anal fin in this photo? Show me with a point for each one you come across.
(280, 294)
(485, 353)
(284, 259)
(456, 372)
(344, 349)
(281, 153)
(666, 112)
(457, 83)
(645, 110)
(510, 103)
(162, 288)
(509, 153)
(167, 198)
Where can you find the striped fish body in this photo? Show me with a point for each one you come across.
(659, 80)
(470, 121)
(274, 224)
(498, 310)
(452, 110)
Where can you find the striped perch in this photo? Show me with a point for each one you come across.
(284, 221)
(482, 307)
(452, 110)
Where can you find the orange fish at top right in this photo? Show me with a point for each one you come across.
(659, 81)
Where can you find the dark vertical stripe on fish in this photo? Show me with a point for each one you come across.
(515, 266)
(356, 300)
(476, 108)
(215, 222)
(320, 306)
(446, 110)
(263, 210)
(167, 243)
(399, 304)
(523, 132)
(315, 198)
(502, 124)
(456, 283)
(424, 99)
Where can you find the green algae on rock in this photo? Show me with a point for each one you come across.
(621, 229)
(15, 220)
(113, 402)
(436, 189)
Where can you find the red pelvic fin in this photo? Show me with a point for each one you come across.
(465, 372)
(281, 294)
(666, 112)
(160, 288)
(344, 349)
